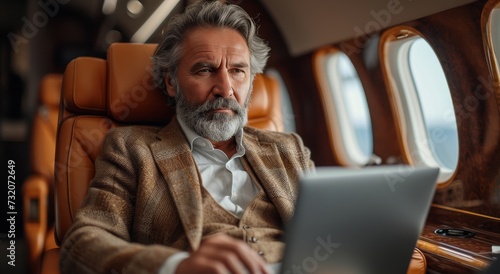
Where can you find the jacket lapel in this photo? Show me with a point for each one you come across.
(265, 161)
(174, 160)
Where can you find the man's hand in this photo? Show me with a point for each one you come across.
(222, 254)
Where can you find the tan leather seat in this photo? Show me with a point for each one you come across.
(101, 94)
(38, 188)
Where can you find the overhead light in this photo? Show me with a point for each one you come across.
(109, 6)
(134, 8)
(113, 36)
(154, 21)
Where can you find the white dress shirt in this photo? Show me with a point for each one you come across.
(225, 179)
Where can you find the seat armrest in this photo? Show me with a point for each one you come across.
(50, 262)
(418, 263)
(35, 192)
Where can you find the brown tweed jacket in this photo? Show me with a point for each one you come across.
(144, 203)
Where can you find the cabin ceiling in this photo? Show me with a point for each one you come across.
(99, 16)
(307, 25)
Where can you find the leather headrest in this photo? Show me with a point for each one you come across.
(84, 86)
(133, 96)
(261, 100)
(50, 89)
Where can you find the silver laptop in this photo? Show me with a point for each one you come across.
(358, 221)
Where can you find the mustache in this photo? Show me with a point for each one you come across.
(219, 103)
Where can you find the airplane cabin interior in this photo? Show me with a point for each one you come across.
(364, 83)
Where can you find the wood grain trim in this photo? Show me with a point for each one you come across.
(451, 254)
(465, 212)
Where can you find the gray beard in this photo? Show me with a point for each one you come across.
(218, 126)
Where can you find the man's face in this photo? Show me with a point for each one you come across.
(213, 82)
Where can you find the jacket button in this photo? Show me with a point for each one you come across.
(254, 240)
(261, 253)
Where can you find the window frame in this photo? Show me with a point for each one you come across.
(492, 52)
(395, 44)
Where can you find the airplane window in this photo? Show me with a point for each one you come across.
(353, 97)
(436, 104)
(347, 108)
(423, 102)
(493, 42)
(286, 105)
(495, 16)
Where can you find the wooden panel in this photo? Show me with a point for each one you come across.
(447, 254)
(474, 185)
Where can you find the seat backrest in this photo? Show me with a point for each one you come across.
(43, 131)
(37, 189)
(100, 94)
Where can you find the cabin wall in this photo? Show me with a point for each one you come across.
(469, 200)
(476, 107)
(469, 80)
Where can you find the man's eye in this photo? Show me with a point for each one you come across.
(238, 70)
(205, 70)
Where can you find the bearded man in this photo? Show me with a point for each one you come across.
(204, 194)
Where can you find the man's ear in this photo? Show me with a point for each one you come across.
(168, 84)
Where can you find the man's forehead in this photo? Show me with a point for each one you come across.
(208, 41)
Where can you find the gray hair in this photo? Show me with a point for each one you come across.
(205, 14)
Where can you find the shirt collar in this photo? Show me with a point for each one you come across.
(191, 136)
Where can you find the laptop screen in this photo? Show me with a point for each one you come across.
(358, 220)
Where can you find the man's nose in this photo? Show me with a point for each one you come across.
(223, 85)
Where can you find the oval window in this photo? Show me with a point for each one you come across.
(423, 102)
(493, 38)
(346, 106)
